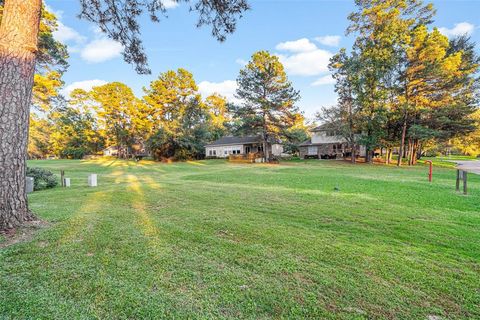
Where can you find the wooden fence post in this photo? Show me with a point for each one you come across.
(457, 185)
(464, 182)
(62, 178)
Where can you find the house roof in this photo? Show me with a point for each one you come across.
(231, 140)
(324, 127)
(308, 143)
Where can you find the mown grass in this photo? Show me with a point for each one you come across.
(210, 239)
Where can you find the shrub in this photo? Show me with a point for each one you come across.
(43, 179)
(73, 153)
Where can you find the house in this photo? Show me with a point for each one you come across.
(326, 143)
(229, 145)
(111, 151)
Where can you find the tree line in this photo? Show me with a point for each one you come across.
(403, 85)
(171, 120)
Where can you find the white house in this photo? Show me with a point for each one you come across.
(228, 145)
(326, 143)
(111, 151)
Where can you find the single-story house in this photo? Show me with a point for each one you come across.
(228, 145)
(326, 143)
(111, 151)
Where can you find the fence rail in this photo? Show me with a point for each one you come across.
(245, 158)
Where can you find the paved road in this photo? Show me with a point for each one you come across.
(470, 166)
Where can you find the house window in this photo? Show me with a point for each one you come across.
(210, 153)
(312, 150)
(214, 152)
(226, 152)
(238, 151)
(234, 151)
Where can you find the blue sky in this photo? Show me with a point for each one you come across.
(304, 33)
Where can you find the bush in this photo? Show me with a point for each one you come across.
(43, 179)
(73, 153)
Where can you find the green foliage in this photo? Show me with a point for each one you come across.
(121, 116)
(269, 99)
(73, 153)
(293, 138)
(39, 143)
(74, 133)
(42, 178)
(183, 124)
(403, 82)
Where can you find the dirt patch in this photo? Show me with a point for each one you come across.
(21, 234)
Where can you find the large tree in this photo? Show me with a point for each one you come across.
(345, 117)
(383, 29)
(19, 31)
(180, 120)
(268, 106)
(122, 117)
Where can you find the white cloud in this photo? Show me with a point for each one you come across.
(305, 58)
(66, 34)
(307, 63)
(331, 41)
(226, 88)
(241, 62)
(300, 45)
(325, 80)
(460, 29)
(100, 50)
(86, 85)
(169, 4)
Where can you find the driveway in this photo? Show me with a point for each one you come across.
(470, 166)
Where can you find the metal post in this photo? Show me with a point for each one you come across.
(457, 185)
(464, 182)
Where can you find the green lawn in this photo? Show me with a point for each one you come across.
(210, 239)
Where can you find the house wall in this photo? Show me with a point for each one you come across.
(328, 149)
(277, 149)
(322, 137)
(110, 152)
(323, 149)
(223, 151)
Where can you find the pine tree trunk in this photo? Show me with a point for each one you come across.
(265, 150)
(419, 150)
(410, 152)
(414, 154)
(401, 151)
(388, 156)
(18, 45)
(354, 153)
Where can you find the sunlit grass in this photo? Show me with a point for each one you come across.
(208, 239)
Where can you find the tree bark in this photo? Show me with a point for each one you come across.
(18, 46)
(354, 153)
(388, 155)
(401, 151)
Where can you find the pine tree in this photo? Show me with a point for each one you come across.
(268, 106)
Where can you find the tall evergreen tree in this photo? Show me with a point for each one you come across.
(382, 28)
(269, 99)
